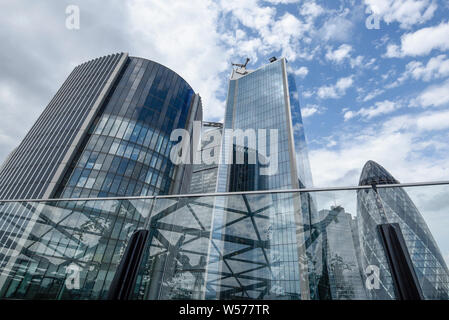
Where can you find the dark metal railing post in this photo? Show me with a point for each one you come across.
(402, 272)
(126, 274)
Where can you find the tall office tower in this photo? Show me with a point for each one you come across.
(204, 176)
(105, 133)
(345, 280)
(279, 267)
(393, 205)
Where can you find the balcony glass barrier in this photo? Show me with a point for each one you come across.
(64, 249)
(293, 245)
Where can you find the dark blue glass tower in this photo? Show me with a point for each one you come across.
(127, 149)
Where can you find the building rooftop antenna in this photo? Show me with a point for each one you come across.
(241, 65)
(241, 68)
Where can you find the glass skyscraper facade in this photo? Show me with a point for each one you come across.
(106, 133)
(393, 205)
(345, 277)
(38, 163)
(204, 176)
(127, 150)
(265, 99)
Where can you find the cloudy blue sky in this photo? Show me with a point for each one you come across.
(366, 93)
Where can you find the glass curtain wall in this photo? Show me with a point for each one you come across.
(127, 150)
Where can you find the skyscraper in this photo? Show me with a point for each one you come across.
(105, 133)
(393, 205)
(265, 99)
(345, 280)
(204, 176)
(40, 158)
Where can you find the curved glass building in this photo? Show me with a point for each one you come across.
(105, 133)
(127, 149)
(393, 205)
(36, 165)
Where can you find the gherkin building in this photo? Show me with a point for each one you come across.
(393, 205)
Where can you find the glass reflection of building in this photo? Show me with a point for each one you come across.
(277, 264)
(393, 205)
(204, 176)
(105, 133)
(247, 175)
(345, 279)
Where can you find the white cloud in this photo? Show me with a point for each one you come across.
(284, 36)
(406, 12)
(301, 72)
(433, 121)
(344, 83)
(307, 112)
(285, 33)
(343, 166)
(336, 91)
(393, 51)
(337, 29)
(282, 1)
(328, 92)
(356, 62)
(437, 67)
(421, 123)
(338, 55)
(433, 96)
(378, 43)
(250, 13)
(348, 115)
(186, 41)
(311, 109)
(421, 42)
(379, 108)
(400, 144)
(307, 94)
(362, 63)
(373, 94)
(311, 9)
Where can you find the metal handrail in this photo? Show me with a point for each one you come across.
(219, 194)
